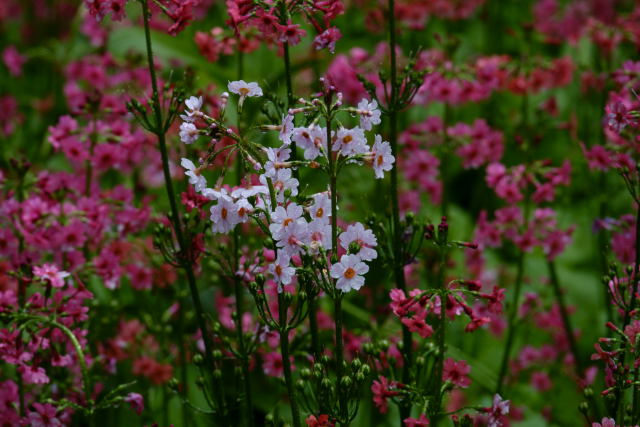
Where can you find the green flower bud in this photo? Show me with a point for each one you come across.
(198, 359)
(346, 382)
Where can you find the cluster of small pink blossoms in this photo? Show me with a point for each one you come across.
(296, 229)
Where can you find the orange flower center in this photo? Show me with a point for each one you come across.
(223, 213)
(380, 160)
(347, 139)
(243, 91)
(319, 213)
(287, 222)
(350, 273)
(278, 270)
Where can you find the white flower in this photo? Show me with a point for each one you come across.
(319, 235)
(321, 208)
(212, 194)
(369, 114)
(224, 215)
(193, 104)
(349, 272)
(244, 89)
(382, 157)
(283, 218)
(188, 132)
(286, 129)
(293, 237)
(364, 239)
(350, 141)
(311, 140)
(246, 192)
(282, 181)
(195, 178)
(275, 155)
(281, 270)
(243, 209)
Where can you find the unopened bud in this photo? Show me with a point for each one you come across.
(198, 359)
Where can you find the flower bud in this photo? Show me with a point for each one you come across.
(325, 383)
(198, 359)
(583, 408)
(346, 382)
(217, 354)
(173, 384)
(305, 373)
(217, 374)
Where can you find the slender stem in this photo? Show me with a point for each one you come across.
(398, 259)
(247, 414)
(568, 329)
(444, 162)
(436, 411)
(602, 243)
(566, 321)
(313, 326)
(340, 359)
(244, 357)
(337, 294)
(632, 305)
(511, 323)
(284, 19)
(175, 214)
(286, 361)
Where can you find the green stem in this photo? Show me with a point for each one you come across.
(511, 323)
(568, 330)
(286, 362)
(175, 214)
(632, 305)
(313, 326)
(398, 259)
(247, 415)
(436, 411)
(566, 321)
(342, 401)
(337, 294)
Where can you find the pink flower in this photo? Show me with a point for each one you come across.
(33, 374)
(541, 381)
(421, 421)
(50, 273)
(13, 60)
(290, 33)
(382, 389)
(272, 364)
(136, 400)
(497, 411)
(327, 39)
(456, 372)
(44, 416)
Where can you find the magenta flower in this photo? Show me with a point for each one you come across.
(50, 273)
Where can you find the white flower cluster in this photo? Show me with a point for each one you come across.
(296, 229)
